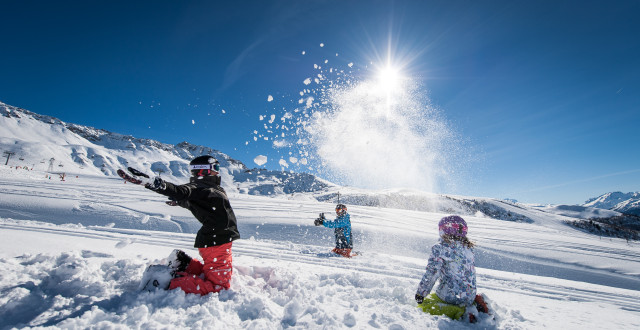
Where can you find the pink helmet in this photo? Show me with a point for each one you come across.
(453, 225)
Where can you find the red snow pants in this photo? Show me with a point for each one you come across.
(212, 276)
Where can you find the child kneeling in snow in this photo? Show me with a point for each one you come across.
(208, 203)
(342, 231)
(452, 261)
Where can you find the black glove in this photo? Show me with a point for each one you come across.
(156, 184)
(318, 222)
(419, 299)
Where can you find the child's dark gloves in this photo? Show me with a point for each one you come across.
(156, 184)
(419, 299)
(318, 222)
(171, 203)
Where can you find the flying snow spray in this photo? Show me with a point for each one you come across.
(375, 132)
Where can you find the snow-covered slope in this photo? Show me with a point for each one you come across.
(72, 254)
(46, 143)
(628, 203)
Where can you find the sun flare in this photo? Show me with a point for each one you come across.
(389, 78)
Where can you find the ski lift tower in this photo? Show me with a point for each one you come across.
(50, 169)
(9, 154)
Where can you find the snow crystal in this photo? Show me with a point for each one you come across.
(283, 163)
(269, 98)
(293, 160)
(307, 81)
(260, 160)
(272, 118)
(321, 44)
(223, 111)
(350, 64)
(303, 52)
(193, 122)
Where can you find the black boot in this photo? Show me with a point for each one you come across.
(179, 260)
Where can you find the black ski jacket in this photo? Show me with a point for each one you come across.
(208, 202)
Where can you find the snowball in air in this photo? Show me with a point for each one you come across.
(260, 160)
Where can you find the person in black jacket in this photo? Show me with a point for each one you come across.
(208, 202)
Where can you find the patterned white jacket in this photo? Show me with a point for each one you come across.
(454, 265)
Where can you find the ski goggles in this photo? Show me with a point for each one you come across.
(214, 166)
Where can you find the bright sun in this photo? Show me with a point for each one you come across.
(389, 78)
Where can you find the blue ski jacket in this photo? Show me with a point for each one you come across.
(342, 225)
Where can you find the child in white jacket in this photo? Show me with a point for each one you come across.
(452, 261)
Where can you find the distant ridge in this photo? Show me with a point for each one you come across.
(628, 203)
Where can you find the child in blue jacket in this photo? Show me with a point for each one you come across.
(342, 225)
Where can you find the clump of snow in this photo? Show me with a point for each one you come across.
(260, 160)
(283, 163)
(269, 98)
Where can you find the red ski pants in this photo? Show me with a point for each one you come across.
(212, 276)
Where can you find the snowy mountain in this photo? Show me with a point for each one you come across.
(73, 252)
(44, 143)
(628, 203)
(47, 143)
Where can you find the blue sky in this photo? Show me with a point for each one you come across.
(544, 94)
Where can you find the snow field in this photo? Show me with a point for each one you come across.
(72, 255)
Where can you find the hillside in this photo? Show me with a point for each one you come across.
(43, 143)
